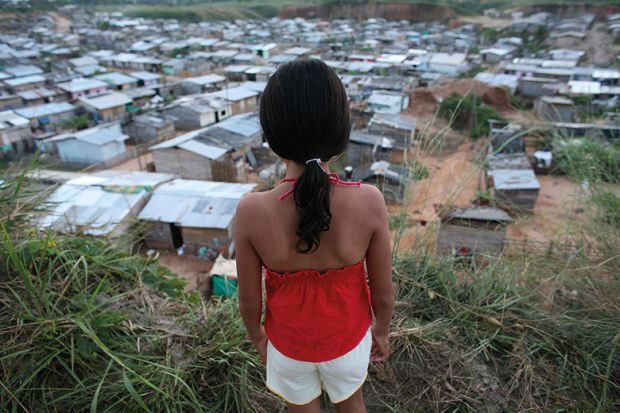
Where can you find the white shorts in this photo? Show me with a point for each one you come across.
(300, 382)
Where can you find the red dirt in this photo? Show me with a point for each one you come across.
(453, 179)
(422, 103)
(497, 97)
(194, 270)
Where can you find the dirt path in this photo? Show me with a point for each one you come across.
(486, 21)
(62, 23)
(453, 179)
(559, 205)
(192, 269)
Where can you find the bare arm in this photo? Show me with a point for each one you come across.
(249, 272)
(379, 263)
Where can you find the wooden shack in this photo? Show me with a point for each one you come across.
(470, 231)
(219, 152)
(506, 138)
(365, 147)
(149, 128)
(196, 216)
(390, 178)
(517, 188)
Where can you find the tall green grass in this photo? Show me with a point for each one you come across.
(86, 326)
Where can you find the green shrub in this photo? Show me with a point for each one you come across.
(77, 122)
(468, 113)
(588, 159)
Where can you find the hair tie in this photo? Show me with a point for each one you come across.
(317, 160)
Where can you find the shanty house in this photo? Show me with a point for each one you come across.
(518, 188)
(107, 107)
(471, 230)
(38, 96)
(400, 127)
(448, 63)
(79, 87)
(24, 83)
(101, 145)
(103, 203)
(202, 84)
(390, 178)
(118, 81)
(555, 108)
(506, 138)
(149, 127)
(365, 147)
(46, 116)
(15, 134)
(220, 152)
(387, 102)
(195, 215)
(241, 98)
(197, 111)
(146, 79)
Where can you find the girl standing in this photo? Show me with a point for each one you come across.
(323, 245)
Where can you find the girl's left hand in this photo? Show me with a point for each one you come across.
(261, 345)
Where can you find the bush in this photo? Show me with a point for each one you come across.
(87, 326)
(77, 122)
(588, 159)
(468, 113)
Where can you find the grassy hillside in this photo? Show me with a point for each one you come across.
(89, 326)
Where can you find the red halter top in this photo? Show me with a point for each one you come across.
(315, 315)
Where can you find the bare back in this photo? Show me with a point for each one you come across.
(357, 213)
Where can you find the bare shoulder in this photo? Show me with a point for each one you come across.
(250, 205)
(372, 198)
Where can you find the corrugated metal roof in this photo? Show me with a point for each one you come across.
(99, 135)
(47, 109)
(81, 84)
(509, 179)
(116, 78)
(205, 80)
(208, 151)
(196, 204)
(234, 93)
(106, 101)
(480, 214)
(23, 70)
(84, 204)
(18, 81)
(394, 120)
(8, 119)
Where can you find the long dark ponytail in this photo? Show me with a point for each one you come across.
(304, 114)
